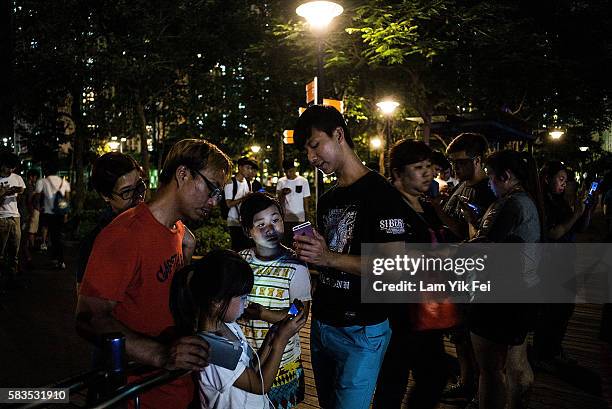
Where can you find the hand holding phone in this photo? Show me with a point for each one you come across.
(304, 229)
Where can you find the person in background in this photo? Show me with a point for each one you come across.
(49, 218)
(235, 192)
(280, 279)
(32, 215)
(11, 185)
(293, 194)
(466, 154)
(118, 179)
(499, 331)
(562, 223)
(442, 171)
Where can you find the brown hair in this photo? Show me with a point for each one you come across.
(194, 154)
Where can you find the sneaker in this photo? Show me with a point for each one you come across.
(457, 391)
(43, 247)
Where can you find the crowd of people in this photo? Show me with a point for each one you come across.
(135, 273)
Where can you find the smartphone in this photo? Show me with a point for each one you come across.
(589, 198)
(222, 352)
(293, 310)
(304, 229)
(475, 208)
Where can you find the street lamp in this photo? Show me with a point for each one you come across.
(556, 134)
(387, 107)
(255, 149)
(319, 14)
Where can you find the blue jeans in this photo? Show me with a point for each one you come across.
(346, 362)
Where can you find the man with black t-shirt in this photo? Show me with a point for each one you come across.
(348, 338)
(461, 214)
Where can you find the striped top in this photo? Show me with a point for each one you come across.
(277, 283)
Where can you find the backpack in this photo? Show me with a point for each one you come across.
(222, 205)
(61, 206)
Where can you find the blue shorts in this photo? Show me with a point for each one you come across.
(346, 362)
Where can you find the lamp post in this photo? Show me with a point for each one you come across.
(387, 107)
(255, 149)
(319, 14)
(376, 144)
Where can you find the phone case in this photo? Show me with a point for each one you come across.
(304, 229)
(222, 352)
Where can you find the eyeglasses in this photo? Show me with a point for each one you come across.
(138, 189)
(214, 192)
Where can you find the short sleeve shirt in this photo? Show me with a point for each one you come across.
(368, 211)
(49, 186)
(294, 200)
(133, 262)
(8, 205)
(277, 283)
(217, 390)
(233, 217)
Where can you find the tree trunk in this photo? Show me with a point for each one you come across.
(80, 143)
(142, 129)
(426, 127)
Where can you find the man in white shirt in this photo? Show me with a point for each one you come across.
(294, 195)
(235, 192)
(11, 185)
(48, 187)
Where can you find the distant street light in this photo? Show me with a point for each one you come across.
(376, 143)
(556, 134)
(255, 148)
(583, 148)
(387, 107)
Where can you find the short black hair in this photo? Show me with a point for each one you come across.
(110, 167)
(325, 118)
(473, 144)
(438, 158)
(253, 204)
(288, 164)
(51, 168)
(9, 159)
(407, 152)
(247, 161)
(33, 172)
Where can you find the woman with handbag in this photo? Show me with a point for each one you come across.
(417, 341)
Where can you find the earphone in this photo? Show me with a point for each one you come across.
(263, 393)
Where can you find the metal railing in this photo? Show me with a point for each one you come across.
(110, 381)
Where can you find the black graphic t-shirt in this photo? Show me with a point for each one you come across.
(368, 211)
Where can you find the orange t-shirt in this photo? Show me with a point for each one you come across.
(133, 262)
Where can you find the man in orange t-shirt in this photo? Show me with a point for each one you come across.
(126, 286)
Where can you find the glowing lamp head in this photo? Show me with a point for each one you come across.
(255, 148)
(319, 13)
(376, 143)
(387, 107)
(556, 134)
